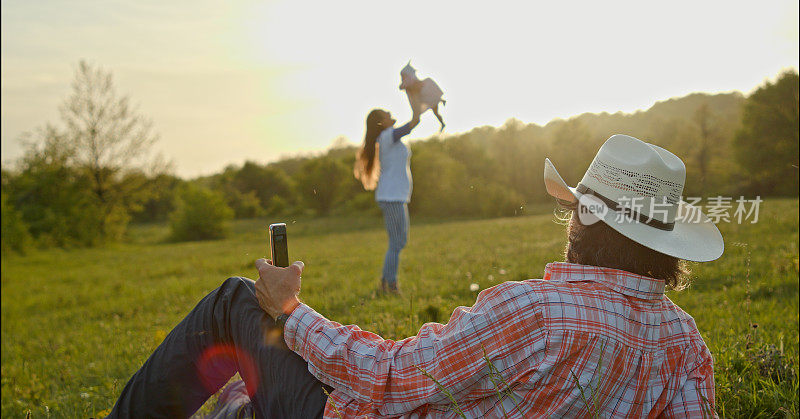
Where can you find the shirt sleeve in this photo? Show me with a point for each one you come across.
(696, 397)
(398, 376)
(401, 132)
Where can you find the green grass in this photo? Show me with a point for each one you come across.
(76, 324)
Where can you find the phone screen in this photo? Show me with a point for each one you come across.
(278, 245)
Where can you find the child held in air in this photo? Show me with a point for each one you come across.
(422, 94)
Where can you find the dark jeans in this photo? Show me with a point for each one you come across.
(224, 334)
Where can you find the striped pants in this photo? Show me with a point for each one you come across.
(395, 214)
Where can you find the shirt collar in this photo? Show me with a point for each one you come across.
(627, 283)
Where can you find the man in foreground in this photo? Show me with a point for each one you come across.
(595, 336)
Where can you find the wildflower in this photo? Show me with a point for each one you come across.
(474, 287)
(84, 395)
(490, 277)
(502, 271)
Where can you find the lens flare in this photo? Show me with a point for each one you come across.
(218, 363)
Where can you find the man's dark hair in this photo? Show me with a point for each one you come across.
(600, 245)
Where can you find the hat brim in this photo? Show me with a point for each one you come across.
(694, 238)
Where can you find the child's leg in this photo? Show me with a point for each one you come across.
(435, 110)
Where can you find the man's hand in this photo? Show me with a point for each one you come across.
(277, 288)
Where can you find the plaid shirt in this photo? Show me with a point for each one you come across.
(583, 341)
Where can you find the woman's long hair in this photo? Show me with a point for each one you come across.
(367, 166)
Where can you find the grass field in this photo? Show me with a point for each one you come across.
(76, 324)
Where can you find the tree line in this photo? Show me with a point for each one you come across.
(83, 182)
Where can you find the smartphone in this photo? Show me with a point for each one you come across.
(277, 241)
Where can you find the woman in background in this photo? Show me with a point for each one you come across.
(383, 164)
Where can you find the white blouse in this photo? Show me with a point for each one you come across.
(394, 183)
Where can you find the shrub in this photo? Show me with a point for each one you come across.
(277, 206)
(55, 200)
(200, 214)
(243, 204)
(321, 182)
(766, 144)
(15, 236)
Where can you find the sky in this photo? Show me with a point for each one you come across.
(230, 81)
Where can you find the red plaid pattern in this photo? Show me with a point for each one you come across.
(583, 341)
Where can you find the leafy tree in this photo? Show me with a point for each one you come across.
(254, 190)
(277, 206)
(441, 183)
(159, 200)
(266, 182)
(767, 141)
(703, 118)
(78, 184)
(53, 198)
(243, 204)
(572, 148)
(200, 214)
(472, 155)
(109, 140)
(14, 236)
(320, 183)
(489, 199)
(516, 150)
(353, 199)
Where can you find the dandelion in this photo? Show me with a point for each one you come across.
(474, 287)
(502, 271)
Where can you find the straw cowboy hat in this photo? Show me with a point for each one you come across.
(636, 189)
